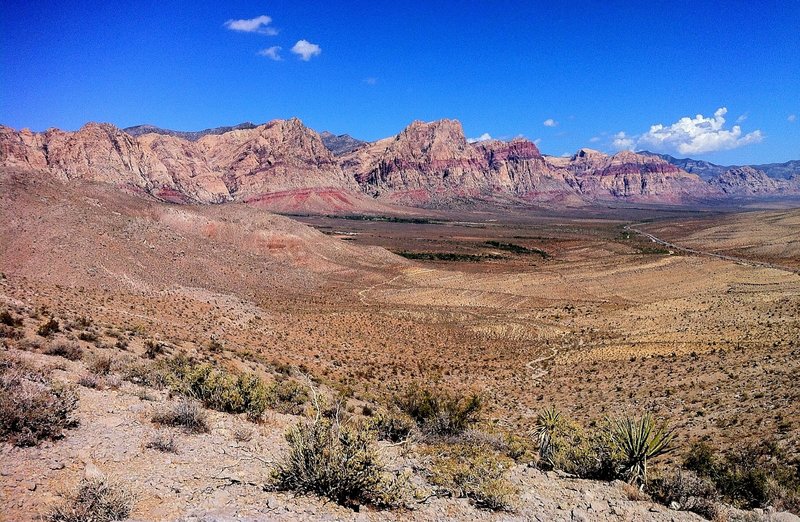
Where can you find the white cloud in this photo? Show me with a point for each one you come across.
(692, 135)
(371, 80)
(742, 118)
(273, 53)
(259, 24)
(306, 50)
(622, 141)
(594, 139)
(549, 122)
(483, 137)
(792, 118)
(537, 141)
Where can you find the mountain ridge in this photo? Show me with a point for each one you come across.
(282, 164)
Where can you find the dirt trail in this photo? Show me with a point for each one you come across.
(750, 262)
(540, 372)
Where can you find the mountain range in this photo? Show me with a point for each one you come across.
(286, 166)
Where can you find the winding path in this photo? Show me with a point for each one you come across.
(540, 372)
(749, 262)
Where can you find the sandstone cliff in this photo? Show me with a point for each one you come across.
(286, 166)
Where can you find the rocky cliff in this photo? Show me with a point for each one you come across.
(287, 166)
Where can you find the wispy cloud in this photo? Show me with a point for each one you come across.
(370, 80)
(792, 118)
(483, 137)
(306, 50)
(273, 53)
(690, 136)
(550, 122)
(259, 24)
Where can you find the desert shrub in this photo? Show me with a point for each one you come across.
(223, 390)
(153, 348)
(101, 364)
(90, 380)
(184, 414)
(288, 396)
(640, 440)
(475, 472)
(751, 476)
(32, 406)
(48, 328)
(392, 426)
(95, 500)
(334, 461)
(9, 325)
(67, 350)
(687, 491)
(88, 336)
(163, 441)
(243, 434)
(568, 447)
(144, 373)
(8, 319)
(439, 412)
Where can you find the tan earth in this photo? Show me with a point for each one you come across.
(605, 323)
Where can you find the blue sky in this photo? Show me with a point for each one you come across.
(591, 70)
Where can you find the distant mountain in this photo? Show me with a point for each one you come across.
(341, 144)
(708, 170)
(285, 165)
(139, 130)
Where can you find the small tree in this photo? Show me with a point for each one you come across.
(640, 441)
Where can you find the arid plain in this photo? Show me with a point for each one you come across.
(546, 307)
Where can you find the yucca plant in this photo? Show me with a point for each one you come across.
(547, 422)
(640, 440)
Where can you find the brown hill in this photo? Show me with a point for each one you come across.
(89, 234)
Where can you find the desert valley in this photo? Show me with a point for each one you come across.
(442, 295)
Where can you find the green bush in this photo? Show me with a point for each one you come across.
(439, 412)
(334, 461)
(288, 396)
(216, 388)
(564, 445)
(32, 406)
(475, 472)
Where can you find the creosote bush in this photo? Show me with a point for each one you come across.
(288, 396)
(570, 448)
(32, 406)
(220, 389)
(338, 462)
(95, 500)
(439, 412)
(473, 471)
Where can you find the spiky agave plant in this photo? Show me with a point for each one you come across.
(547, 422)
(640, 441)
